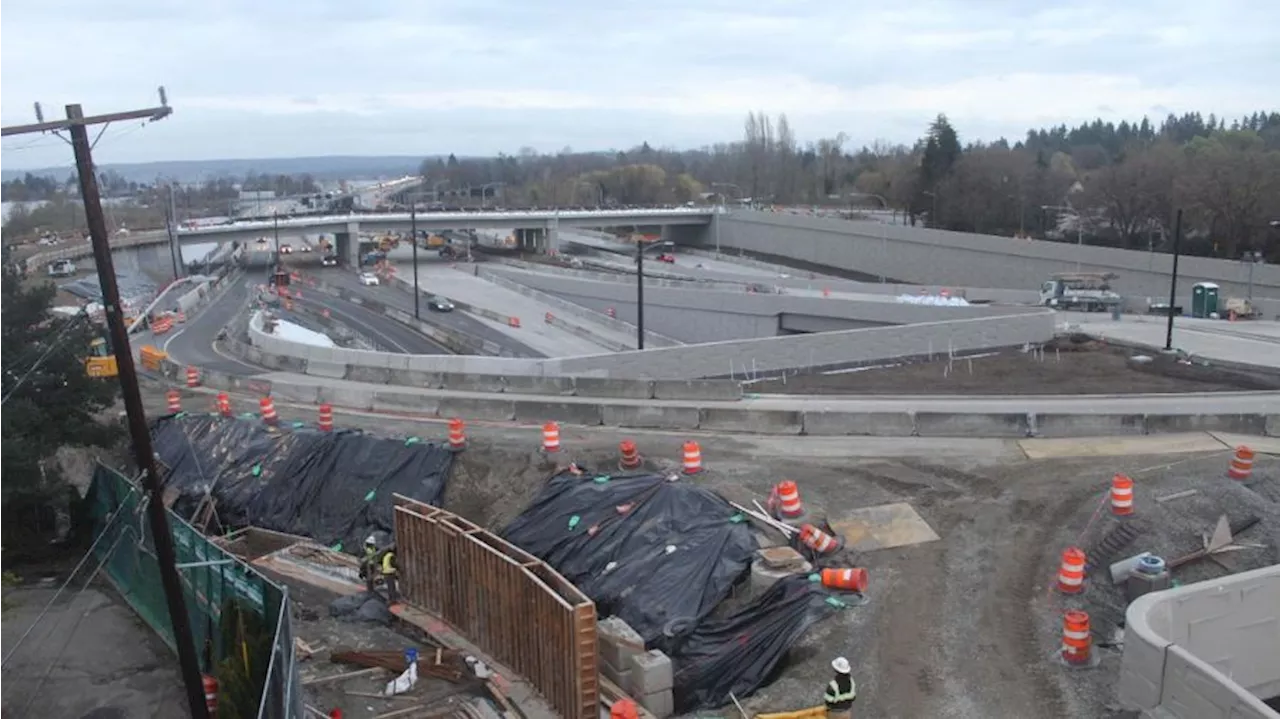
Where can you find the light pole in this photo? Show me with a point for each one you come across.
(716, 221)
(1173, 281)
(639, 293)
(413, 238)
(275, 226)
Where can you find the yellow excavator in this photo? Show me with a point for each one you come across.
(101, 361)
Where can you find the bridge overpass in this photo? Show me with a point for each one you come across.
(536, 230)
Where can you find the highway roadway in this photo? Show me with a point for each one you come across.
(383, 330)
(455, 320)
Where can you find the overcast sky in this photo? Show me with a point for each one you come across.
(387, 77)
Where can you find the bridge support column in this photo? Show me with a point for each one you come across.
(553, 237)
(347, 245)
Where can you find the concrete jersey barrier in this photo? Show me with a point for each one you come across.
(533, 400)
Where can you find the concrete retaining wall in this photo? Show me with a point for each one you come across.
(76, 250)
(940, 257)
(1205, 650)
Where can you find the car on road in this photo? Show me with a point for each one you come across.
(329, 261)
(286, 249)
(667, 258)
(304, 248)
(368, 279)
(439, 304)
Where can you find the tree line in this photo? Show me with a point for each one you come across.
(1100, 182)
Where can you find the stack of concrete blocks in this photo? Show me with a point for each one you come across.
(645, 675)
(774, 563)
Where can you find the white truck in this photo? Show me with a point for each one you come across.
(62, 268)
(1086, 291)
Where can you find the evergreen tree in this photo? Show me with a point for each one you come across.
(48, 400)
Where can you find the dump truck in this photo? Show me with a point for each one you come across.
(1086, 291)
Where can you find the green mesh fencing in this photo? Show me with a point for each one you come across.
(212, 580)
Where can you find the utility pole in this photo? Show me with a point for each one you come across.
(413, 237)
(1173, 281)
(170, 220)
(275, 225)
(639, 294)
(139, 432)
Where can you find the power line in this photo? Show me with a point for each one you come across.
(57, 340)
(166, 557)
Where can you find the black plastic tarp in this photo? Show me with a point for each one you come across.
(658, 554)
(335, 487)
(741, 652)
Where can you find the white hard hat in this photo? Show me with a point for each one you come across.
(370, 539)
(841, 665)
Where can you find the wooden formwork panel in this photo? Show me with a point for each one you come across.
(513, 606)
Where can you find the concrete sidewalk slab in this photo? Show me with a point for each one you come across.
(884, 527)
(1262, 445)
(1120, 446)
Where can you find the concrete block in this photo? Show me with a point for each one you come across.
(650, 672)
(763, 577)
(1237, 423)
(467, 408)
(374, 375)
(614, 388)
(414, 378)
(660, 704)
(618, 642)
(961, 424)
(472, 382)
(526, 384)
(585, 414)
(620, 677)
(289, 392)
(332, 370)
(389, 400)
(350, 397)
(638, 417)
(1271, 426)
(753, 421)
(859, 424)
(1088, 425)
(701, 389)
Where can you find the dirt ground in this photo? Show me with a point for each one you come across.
(965, 626)
(1062, 368)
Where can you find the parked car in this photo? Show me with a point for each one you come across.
(368, 279)
(62, 268)
(329, 261)
(439, 304)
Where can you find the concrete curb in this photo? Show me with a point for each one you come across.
(589, 411)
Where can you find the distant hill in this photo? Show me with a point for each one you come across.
(338, 167)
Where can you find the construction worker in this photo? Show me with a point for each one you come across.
(841, 691)
(389, 575)
(367, 565)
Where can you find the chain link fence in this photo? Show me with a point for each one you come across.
(240, 619)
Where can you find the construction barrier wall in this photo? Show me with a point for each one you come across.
(507, 602)
(211, 579)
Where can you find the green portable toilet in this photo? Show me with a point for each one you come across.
(1204, 299)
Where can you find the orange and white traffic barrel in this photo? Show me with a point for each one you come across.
(1071, 574)
(692, 461)
(818, 540)
(174, 400)
(849, 579)
(1241, 465)
(551, 437)
(193, 376)
(787, 500)
(1121, 495)
(628, 455)
(223, 404)
(325, 420)
(268, 409)
(1077, 638)
(457, 435)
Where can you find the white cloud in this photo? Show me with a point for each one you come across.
(270, 78)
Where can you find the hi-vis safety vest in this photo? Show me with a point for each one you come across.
(388, 563)
(835, 696)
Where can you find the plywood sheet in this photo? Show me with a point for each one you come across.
(882, 527)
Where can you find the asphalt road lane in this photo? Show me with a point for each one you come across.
(459, 321)
(383, 330)
(193, 344)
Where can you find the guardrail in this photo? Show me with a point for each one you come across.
(507, 602)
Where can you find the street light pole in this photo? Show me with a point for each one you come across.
(275, 224)
(413, 238)
(1173, 281)
(639, 294)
